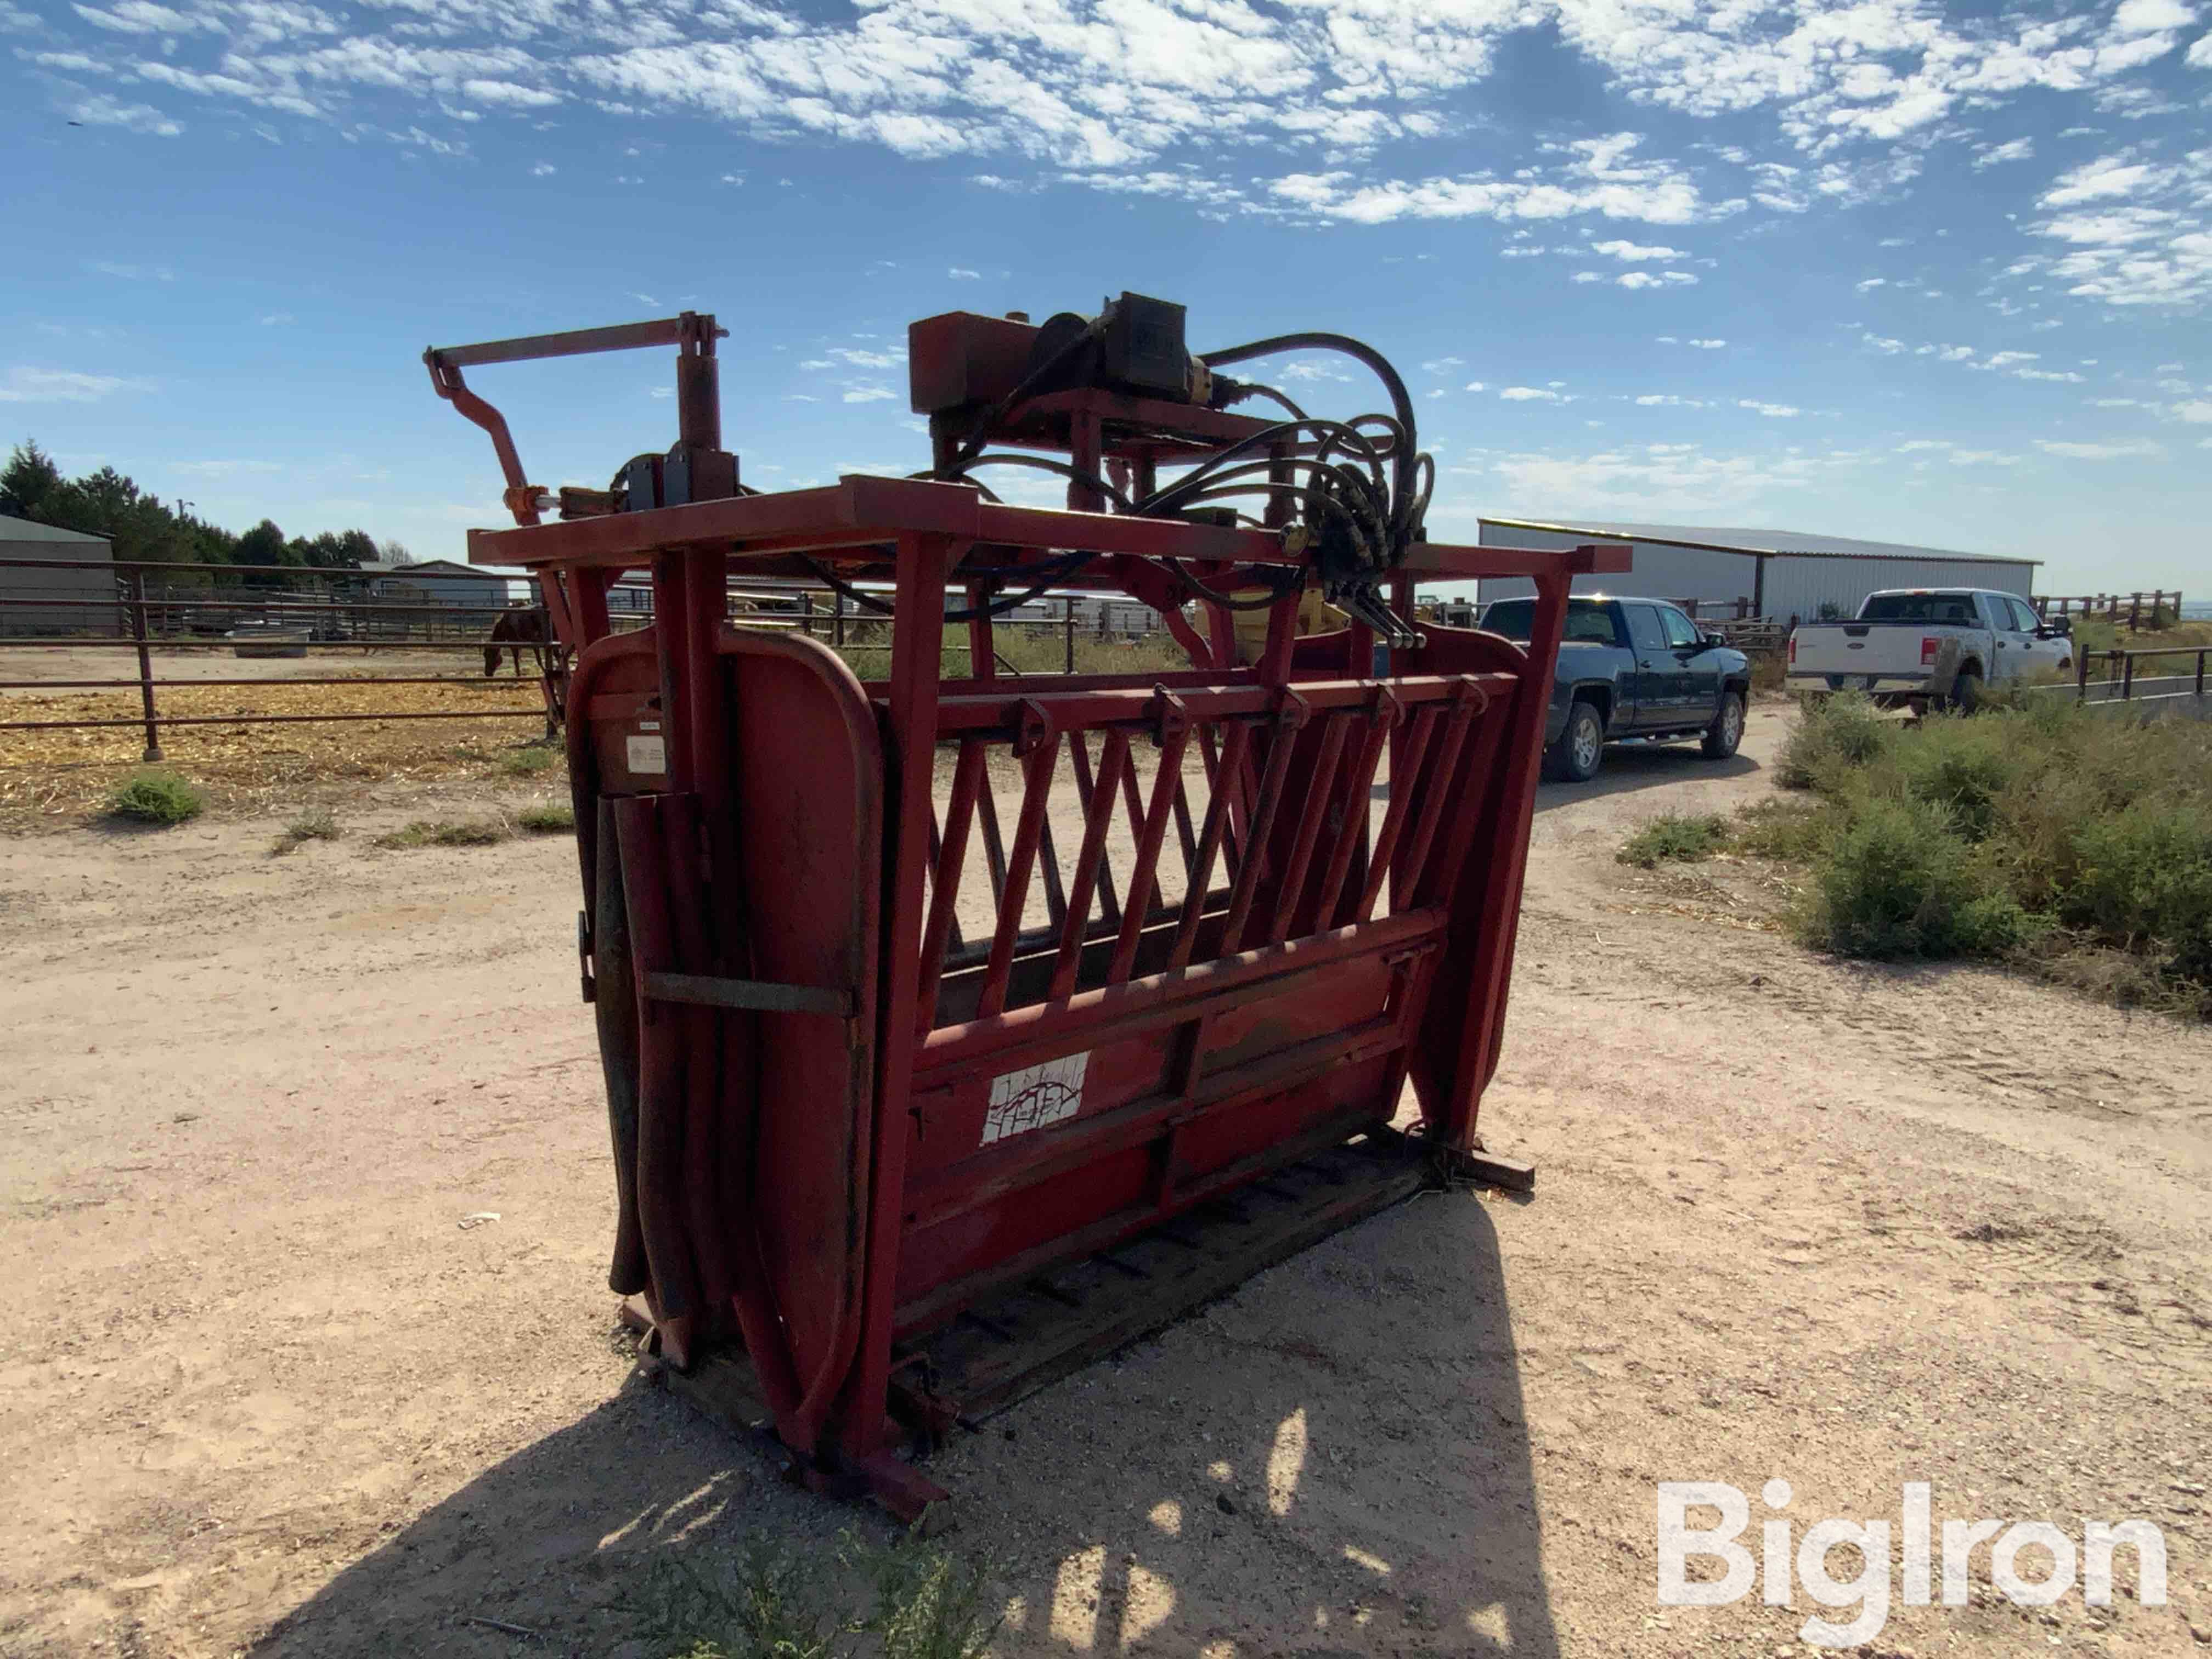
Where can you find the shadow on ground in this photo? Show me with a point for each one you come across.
(1332, 1460)
(1628, 767)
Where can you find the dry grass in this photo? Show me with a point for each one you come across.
(55, 778)
(58, 777)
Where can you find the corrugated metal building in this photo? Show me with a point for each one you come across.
(1782, 573)
(22, 538)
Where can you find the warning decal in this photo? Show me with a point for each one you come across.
(1034, 1097)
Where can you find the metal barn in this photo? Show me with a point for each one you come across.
(22, 538)
(1783, 574)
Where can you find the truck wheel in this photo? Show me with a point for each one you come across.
(1573, 758)
(1967, 692)
(1726, 731)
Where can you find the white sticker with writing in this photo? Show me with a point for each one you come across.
(1034, 1097)
(647, 753)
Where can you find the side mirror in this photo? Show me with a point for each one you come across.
(1713, 641)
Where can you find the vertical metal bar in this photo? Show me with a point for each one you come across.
(982, 658)
(1167, 787)
(1132, 800)
(1405, 767)
(1488, 971)
(1216, 789)
(1085, 441)
(1438, 793)
(1113, 758)
(145, 663)
(1037, 772)
(917, 670)
(994, 849)
(1184, 837)
(1313, 809)
(1209, 843)
(1067, 634)
(1282, 741)
(837, 621)
(1441, 884)
(949, 861)
(1056, 896)
(1350, 833)
(1110, 906)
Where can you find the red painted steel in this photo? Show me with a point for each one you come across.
(870, 1061)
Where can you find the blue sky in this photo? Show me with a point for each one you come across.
(1901, 270)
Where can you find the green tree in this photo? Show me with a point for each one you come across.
(28, 479)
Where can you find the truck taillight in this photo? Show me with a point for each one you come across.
(1928, 647)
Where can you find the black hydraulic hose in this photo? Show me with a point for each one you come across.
(1258, 391)
(1408, 501)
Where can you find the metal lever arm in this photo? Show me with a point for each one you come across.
(692, 332)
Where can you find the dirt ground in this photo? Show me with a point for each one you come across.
(272, 1386)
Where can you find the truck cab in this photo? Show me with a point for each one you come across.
(1631, 669)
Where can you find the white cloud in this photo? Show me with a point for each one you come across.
(961, 274)
(133, 273)
(543, 170)
(1617, 249)
(512, 93)
(868, 394)
(1870, 282)
(2101, 181)
(1773, 412)
(2145, 16)
(277, 319)
(2016, 150)
(1527, 394)
(1587, 276)
(61, 385)
(2092, 452)
(1709, 345)
(1600, 177)
(1474, 385)
(1438, 365)
(105, 112)
(2198, 412)
(1638, 279)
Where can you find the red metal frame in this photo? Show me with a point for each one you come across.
(838, 1124)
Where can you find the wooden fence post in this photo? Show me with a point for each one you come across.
(1067, 631)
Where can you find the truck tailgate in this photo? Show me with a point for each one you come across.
(1884, 650)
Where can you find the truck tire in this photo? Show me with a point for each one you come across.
(1573, 758)
(1966, 691)
(1726, 731)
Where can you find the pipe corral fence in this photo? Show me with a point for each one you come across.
(256, 612)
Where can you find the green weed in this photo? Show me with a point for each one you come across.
(156, 796)
(1672, 837)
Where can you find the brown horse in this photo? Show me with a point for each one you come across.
(519, 628)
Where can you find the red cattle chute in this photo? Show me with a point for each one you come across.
(908, 1169)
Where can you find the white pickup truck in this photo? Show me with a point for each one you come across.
(1917, 646)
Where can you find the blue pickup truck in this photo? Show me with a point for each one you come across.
(1635, 669)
